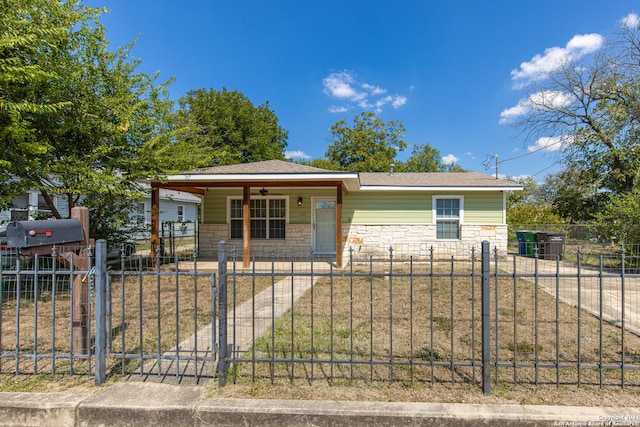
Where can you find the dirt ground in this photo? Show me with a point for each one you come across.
(564, 395)
(442, 393)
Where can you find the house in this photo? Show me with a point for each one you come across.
(277, 203)
(179, 208)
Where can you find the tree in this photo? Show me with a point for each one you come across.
(370, 145)
(575, 194)
(531, 205)
(98, 126)
(425, 158)
(592, 107)
(619, 219)
(235, 129)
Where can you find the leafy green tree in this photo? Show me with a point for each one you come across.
(370, 145)
(97, 126)
(28, 30)
(591, 106)
(619, 220)
(575, 193)
(425, 158)
(530, 206)
(235, 129)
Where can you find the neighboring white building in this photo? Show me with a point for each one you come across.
(176, 206)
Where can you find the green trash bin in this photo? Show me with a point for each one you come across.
(530, 242)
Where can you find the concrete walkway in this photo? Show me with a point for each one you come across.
(249, 321)
(620, 303)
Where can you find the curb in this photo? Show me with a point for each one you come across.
(134, 404)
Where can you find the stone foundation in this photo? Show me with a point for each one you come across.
(365, 240)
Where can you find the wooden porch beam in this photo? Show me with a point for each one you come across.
(246, 225)
(197, 184)
(189, 189)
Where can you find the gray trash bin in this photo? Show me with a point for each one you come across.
(550, 244)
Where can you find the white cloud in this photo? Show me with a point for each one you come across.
(338, 109)
(375, 90)
(541, 65)
(544, 100)
(398, 101)
(550, 99)
(344, 87)
(296, 155)
(548, 143)
(449, 159)
(510, 114)
(632, 20)
(341, 86)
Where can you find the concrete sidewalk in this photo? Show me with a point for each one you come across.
(141, 404)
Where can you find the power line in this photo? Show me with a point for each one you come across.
(490, 157)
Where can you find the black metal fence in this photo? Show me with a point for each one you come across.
(485, 319)
(488, 318)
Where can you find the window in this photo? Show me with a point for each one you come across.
(140, 213)
(268, 218)
(180, 217)
(448, 216)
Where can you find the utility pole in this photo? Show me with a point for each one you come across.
(489, 160)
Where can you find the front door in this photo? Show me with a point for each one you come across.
(324, 226)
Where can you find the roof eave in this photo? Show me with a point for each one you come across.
(437, 188)
(350, 180)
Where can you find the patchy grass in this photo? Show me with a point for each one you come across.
(424, 331)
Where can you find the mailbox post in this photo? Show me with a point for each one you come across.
(80, 287)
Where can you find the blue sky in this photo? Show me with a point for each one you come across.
(451, 71)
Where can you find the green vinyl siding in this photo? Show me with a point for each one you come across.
(215, 202)
(368, 208)
(483, 208)
(215, 206)
(387, 208)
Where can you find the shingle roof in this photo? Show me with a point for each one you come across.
(362, 180)
(432, 179)
(264, 167)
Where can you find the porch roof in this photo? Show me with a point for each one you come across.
(278, 173)
(271, 173)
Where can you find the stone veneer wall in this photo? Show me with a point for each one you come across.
(298, 241)
(366, 240)
(417, 240)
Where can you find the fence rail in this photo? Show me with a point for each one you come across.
(422, 316)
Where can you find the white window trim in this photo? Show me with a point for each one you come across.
(178, 219)
(269, 197)
(434, 210)
(142, 213)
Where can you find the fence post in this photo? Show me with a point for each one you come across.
(486, 318)
(101, 311)
(79, 287)
(222, 313)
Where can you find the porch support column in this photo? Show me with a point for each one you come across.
(246, 226)
(155, 222)
(339, 226)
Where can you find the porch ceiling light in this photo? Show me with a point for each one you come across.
(264, 191)
(300, 201)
